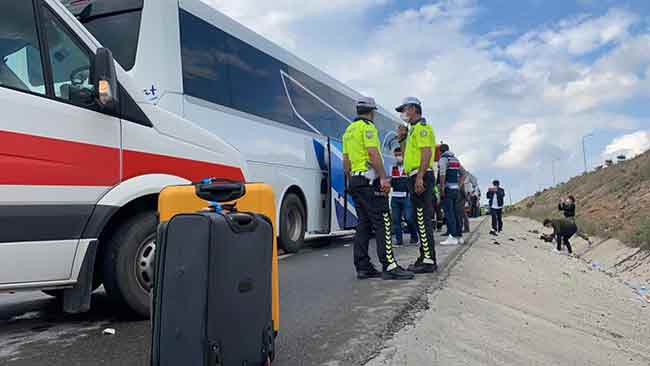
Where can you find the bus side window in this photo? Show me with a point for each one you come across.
(20, 58)
(70, 64)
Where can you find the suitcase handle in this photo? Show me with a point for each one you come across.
(220, 190)
(241, 222)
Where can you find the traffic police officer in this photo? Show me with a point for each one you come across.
(419, 144)
(369, 187)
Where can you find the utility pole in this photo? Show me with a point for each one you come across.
(584, 150)
(553, 168)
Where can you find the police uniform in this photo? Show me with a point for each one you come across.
(370, 203)
(421, 135)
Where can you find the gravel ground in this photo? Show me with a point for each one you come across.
(512, 301)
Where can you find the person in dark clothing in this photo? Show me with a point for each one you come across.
(496, 196)
(400, 202)
(563, 230)
(568, 207)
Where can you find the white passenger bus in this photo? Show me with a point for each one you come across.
(196, 95)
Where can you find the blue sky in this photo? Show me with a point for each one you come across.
(512, 85)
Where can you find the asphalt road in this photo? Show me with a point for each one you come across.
(328, 317)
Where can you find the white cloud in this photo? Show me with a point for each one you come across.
(523, 141)
(503, 108)
(629, 145)
(577, 36)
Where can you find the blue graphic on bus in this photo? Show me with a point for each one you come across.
(337, 181)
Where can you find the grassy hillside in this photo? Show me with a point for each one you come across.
(611, 202)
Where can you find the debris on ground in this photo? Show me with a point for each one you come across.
(496, 243)
(109, 331)
(511, 239)
(533, 231)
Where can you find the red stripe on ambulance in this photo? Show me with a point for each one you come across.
(35, 160)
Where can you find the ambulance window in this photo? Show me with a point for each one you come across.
(70, 64)
(20, 57)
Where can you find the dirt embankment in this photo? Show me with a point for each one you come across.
(612, 202)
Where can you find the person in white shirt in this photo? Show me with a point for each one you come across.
(496, 196)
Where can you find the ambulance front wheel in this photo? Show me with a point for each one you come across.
(293, 223)
(129, 262)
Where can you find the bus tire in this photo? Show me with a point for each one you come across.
(129, 251)
(293, 223)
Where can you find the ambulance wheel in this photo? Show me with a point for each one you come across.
(129, 262)
(293, 223)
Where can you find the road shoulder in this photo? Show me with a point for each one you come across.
(512, 301)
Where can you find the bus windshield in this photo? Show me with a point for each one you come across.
(115, 24)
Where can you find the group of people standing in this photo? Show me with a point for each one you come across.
(413, 185)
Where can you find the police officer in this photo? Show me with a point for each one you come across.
(369, 187)
(419, 144)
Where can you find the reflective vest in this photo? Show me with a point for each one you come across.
(360, 135)
(420, 136)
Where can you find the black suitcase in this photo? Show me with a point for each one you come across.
(212, 297)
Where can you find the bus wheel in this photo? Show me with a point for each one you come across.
(129, 262)
(293, 224)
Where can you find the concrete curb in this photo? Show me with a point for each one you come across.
(420, 302)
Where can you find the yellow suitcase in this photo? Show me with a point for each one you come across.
(258, 198)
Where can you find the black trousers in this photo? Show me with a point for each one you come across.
(423, 207)
(497, 219)
(564, 239)
(372, 211)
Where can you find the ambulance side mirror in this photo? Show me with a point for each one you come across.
(105, 79)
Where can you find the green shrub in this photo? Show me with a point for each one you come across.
(641, 235)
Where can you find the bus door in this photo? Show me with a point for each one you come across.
(343, 212)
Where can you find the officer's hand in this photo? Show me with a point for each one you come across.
(385, 184)
(419, 185)
(442, 193)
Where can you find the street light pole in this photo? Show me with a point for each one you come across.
(584, 150)
(553, 168)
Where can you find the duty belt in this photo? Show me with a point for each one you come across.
(368, 174)
(417, 170)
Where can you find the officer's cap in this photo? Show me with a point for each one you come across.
(408, 101)
(366, 102)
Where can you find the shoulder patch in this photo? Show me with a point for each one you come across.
(369, 134)
(424, 133)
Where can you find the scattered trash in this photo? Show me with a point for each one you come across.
(26, 316)
(511, 239)
(520, 257)
(496, 243)
(533, 231)
(109, 331)
(566, 274)
(536, 246)
(595, 265)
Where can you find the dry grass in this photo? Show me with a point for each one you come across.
(612, 202)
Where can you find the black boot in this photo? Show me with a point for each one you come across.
(397, 274)
(420, 267)
(371, 272)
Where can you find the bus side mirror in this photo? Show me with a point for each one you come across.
(105, 79)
